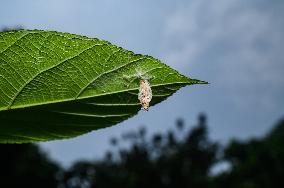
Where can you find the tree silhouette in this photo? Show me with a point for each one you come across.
(23, 165)
(256, 163)
(164, 161)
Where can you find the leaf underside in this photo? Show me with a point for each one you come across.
(57, 85)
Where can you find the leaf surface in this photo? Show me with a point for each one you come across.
(58, 85)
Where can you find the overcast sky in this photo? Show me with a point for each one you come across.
(236, 45)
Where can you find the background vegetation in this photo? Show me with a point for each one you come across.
(179, 158)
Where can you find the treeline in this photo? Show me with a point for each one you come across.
(176, 158)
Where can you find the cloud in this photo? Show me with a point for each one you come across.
(242, 40)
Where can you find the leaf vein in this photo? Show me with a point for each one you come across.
(42, 71)
(107, 72)
(18, 39)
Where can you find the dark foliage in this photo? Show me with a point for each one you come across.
(258, 163)
(164, 161)
(174, 159)
(23, 165)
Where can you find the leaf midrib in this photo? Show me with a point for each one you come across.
(88, 97)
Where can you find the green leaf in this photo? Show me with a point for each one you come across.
(57, 85)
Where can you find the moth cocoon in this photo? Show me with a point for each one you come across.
(145, 91)
(145, 94)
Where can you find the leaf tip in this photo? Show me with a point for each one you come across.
(195, 81)
(202, 82)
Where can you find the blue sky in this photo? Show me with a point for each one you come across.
(236, 45)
